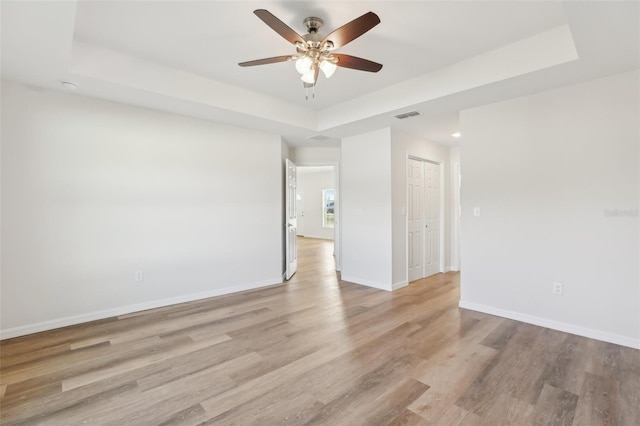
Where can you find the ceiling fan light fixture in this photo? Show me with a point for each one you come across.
(309, 76)
(303, 65)
(314, 51)
(328, 68)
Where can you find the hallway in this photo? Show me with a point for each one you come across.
(315, 259)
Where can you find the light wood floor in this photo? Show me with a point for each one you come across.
(318, 351)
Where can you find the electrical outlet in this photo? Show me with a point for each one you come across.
(557, 288)
(139, 276)
(476, 211)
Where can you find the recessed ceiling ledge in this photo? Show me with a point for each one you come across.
(108, 65)
(544, 50)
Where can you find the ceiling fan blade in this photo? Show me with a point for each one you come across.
(278, 26)
(353, 62)
(352, 30)
(266, 61)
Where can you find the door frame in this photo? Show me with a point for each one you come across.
(337, 228)
(300, 209)
(291, 222)
(441, 266)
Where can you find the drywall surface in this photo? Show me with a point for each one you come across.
(555, 180)
(96, 195)
(365, 187)
(454, 208)
(316, 155)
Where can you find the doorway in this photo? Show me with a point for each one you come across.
(316, 262)
(424, 218)
(315, 196)
(313, 211)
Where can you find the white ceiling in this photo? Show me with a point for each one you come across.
(439, 57)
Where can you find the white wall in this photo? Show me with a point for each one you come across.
(365, 185)
(311, 182)
(404, 145)
(93, 191)
(316, 155)
(374, 201)
(543, 170)
(454, 208)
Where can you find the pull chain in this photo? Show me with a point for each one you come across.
(306, 93)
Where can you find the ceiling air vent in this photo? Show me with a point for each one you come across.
(320, 138)
(407, 114)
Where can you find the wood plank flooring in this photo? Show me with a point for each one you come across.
(317, 351)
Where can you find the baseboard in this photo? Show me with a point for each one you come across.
(368, 283)
(451, 269)
(107, 313)
(399, 285)
(317, 237)
(555, 325)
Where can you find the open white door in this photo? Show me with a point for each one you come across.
(292, 222)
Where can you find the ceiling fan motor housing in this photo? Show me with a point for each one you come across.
(313, 24)
(313, 40)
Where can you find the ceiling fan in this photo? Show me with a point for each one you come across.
(314, 52)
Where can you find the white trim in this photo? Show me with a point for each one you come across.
(443, 209)
(399, 285)
(317, 237)
(368, 283)
(107, 313)
(554, 325)
(406, 218)
(451, 268)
